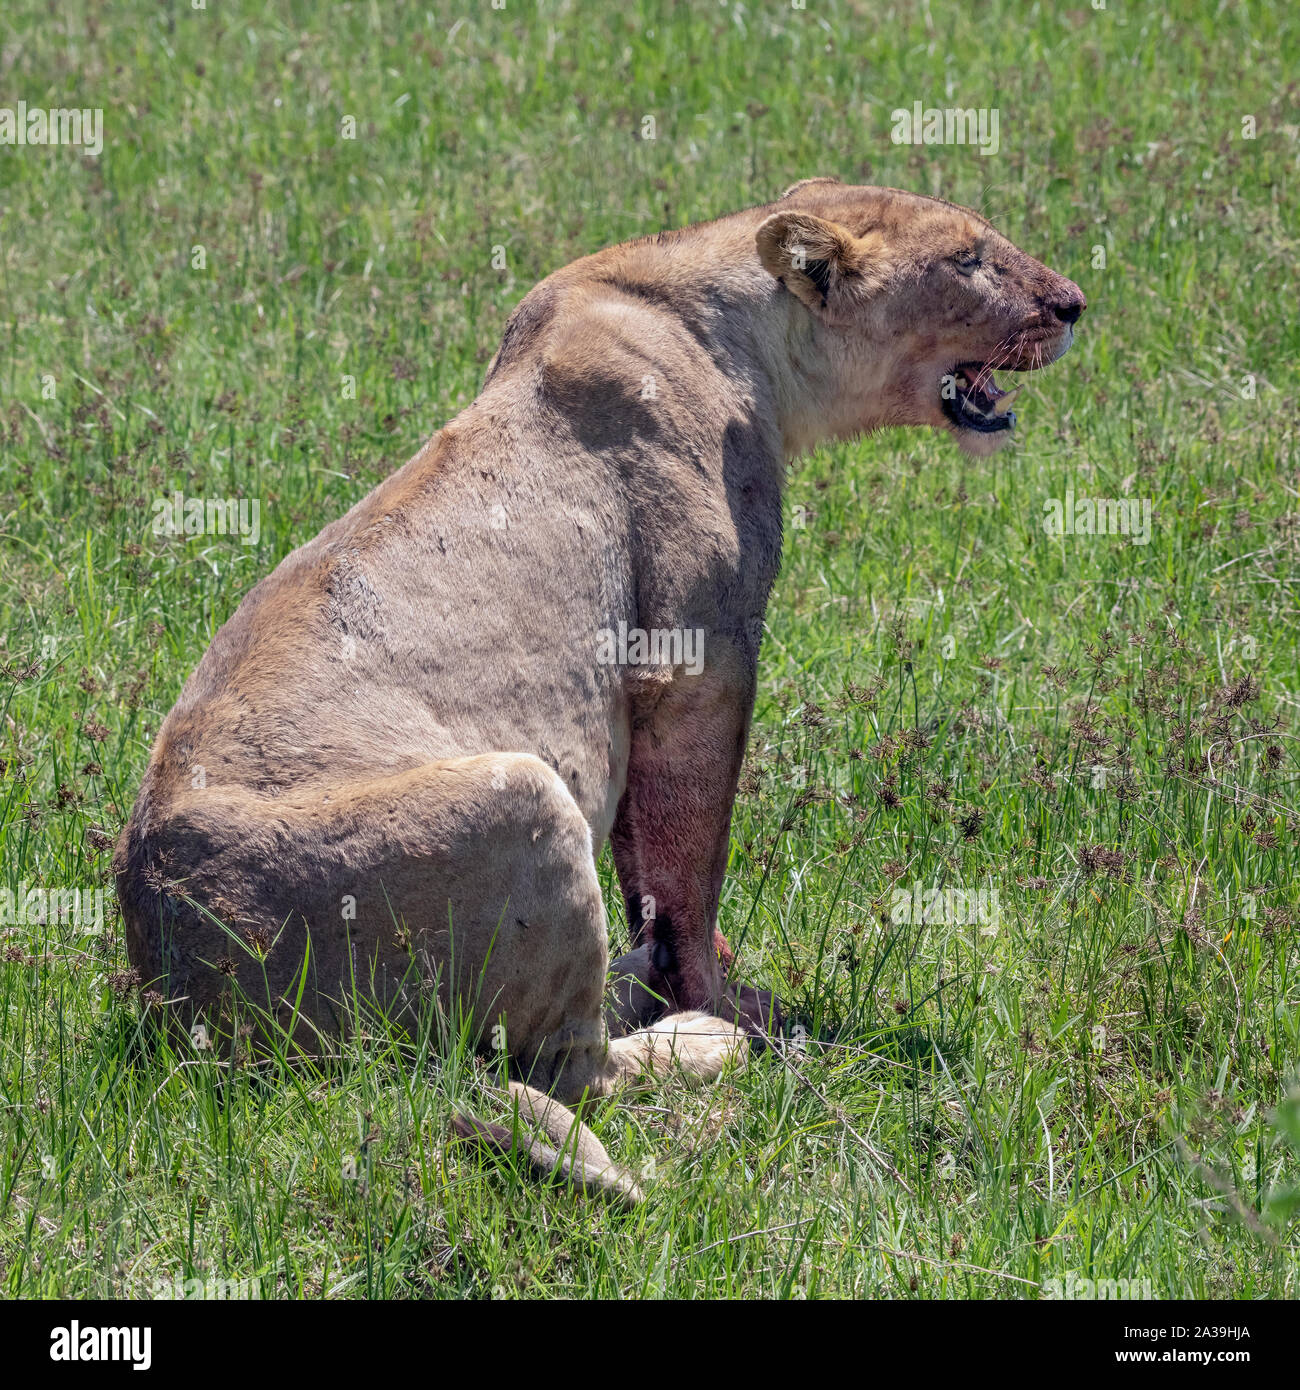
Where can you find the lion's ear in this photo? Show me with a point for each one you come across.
(823, 263)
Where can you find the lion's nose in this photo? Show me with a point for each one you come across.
(1068, 310)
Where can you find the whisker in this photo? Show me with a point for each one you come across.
(1002, 352)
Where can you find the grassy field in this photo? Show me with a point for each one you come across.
(235, 299)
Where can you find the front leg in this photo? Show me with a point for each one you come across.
(671, 835)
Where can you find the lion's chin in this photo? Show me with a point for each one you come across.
(979, 445)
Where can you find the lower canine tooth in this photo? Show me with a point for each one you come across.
(1004, 403)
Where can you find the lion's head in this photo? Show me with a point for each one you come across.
(916, 303)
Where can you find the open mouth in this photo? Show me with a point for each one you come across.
(974, 401)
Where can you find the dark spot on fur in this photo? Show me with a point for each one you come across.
(819, 272)
(663, 948)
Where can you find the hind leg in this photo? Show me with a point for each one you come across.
(472, 875)
(499, 895)
(554, 1140)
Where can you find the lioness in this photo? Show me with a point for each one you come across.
(394, 765)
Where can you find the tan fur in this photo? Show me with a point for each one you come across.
(391, 771)
(552, 1139)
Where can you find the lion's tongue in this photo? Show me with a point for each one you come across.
(984, 394)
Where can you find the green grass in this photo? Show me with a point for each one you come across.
(1097, 1086)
